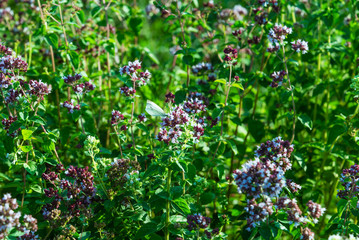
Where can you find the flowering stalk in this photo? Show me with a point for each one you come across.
(108, 62)
(292, 95)
(67, 47)
(131, 120)
(53, 63)
(119, 141)
(81, 120)
(183, 37)
(168, 201)
(225, 104)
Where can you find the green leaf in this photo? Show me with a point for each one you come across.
(36, 188)
(221, 80)
(265, 232)
(136, 24)
(217, 112)
(26, 149)
(96, 10)
(52, 39)
(152, 56)
(81, 15)
(75, 59)
(180, 96)
(146, 229)
(233, 146)
(38, 120)
(306, 121)
(15, 126)
(26, 134)
(176, 192)
(207, 198)
(341, 206)
(335, 132)
(30, 167)
(188, 60)
(237, 85)
(256, 129)
(181, 206)
(355, 228)
(151, 171)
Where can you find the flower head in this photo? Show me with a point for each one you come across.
(300, 46)
(278, 33)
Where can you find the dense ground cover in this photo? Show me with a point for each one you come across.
(179, 119)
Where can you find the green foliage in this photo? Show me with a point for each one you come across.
(152, 171)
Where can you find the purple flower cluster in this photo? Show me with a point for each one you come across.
(7, 124)
(278, 33)
(260, 17)
(258, 212)
(260, 178)
(195, 103)
(292, 209)
(142, 118)
(214, 121)
(265, 175)
(170, 98)
(83, 87)
(231, 55)
(263, 180)
(307, 234)
(39, 89)
(10, 219)
(8, 64)
(127, 91)
(70, 196)
(273, 48)
(276, 36)
(131, 69)
(315, 210)
(12, 96)
(201, 68)
(293, 187)
(349, 180)
(197, 221)
(237, 33)
(5, 81)
(5, 50)
(276, 151)
(117, 117)
(182, 119)
(300, 46)
(78, 89)
(70, 106)
(174, 123)
(277, 78)
(72, 79)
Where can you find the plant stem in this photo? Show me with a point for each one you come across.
(168, 202)
(225, 104)
(24, 178)
(292, 94)
(119, 141)
(108, 65)
(184, 44)
(131, 120)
